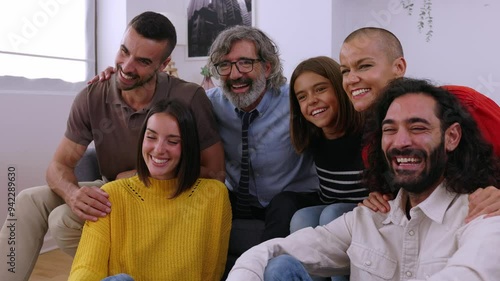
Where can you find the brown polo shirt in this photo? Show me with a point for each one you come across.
(99, 114)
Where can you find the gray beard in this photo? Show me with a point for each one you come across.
(245, 100)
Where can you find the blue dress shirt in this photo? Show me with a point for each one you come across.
(274, 164)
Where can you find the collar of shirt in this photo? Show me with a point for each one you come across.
(434, 207)
(114, 96)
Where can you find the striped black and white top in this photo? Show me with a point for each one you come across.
(339, 166)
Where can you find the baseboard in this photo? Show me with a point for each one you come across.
(49, 244)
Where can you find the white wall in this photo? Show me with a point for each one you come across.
(31, 126)
(464, 49)
(111, 23)
(300, 28)
(304, 35)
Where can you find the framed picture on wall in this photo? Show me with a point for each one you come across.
(207, 18)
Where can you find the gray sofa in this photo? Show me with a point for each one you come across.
(87, 168)
(244, 233)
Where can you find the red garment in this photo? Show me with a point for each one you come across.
(484, 110)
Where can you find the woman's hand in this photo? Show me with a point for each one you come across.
(484, 201)
(103, 76)
(378, 202)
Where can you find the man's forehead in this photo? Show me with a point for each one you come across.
(241, 49)
(412, 105)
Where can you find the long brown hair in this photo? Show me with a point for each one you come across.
(188, 170)
(349, 120)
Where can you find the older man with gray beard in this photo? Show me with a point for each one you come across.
(264, 173)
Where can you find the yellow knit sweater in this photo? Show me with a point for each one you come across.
(151, 237)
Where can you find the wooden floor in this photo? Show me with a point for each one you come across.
(52, 266)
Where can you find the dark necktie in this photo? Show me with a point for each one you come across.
(243, 197)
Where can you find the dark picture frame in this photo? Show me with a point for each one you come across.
(206, 19)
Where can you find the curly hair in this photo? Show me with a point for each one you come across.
(267, 51)
(470, 166)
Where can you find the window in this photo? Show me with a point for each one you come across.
(48, 39)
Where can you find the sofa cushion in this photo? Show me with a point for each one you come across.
(87, 168)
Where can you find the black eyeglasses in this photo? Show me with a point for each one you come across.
(243, 66)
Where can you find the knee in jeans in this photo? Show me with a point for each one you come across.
(280, 263)
(299, 220)
(285, 267)
(334, 211)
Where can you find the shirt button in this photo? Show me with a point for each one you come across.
(411, 232)
(408, 273)
(368, 263)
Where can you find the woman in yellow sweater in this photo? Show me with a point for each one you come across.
(166, 223)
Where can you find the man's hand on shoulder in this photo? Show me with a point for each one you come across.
(89, 203)
(103, 76)
(484, 201)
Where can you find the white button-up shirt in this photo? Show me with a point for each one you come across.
(435, 244)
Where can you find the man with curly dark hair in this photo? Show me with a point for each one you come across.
(428, 149)
(465, 169)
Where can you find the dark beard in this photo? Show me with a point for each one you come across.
(426, 179)
(138, 84)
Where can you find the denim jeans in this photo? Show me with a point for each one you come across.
(288, 268)
(320, 215)
(119, 277)
(285, 268)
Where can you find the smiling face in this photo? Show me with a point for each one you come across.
(366, 69)
(245, 90)
(161, 147)
(318, 102)
(413, 144)
(138, 60)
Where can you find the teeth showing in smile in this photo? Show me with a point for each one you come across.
(317, 111)
(158, 161)
(240, 86)
(359, 92)
(407, 160)
(126, 76)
